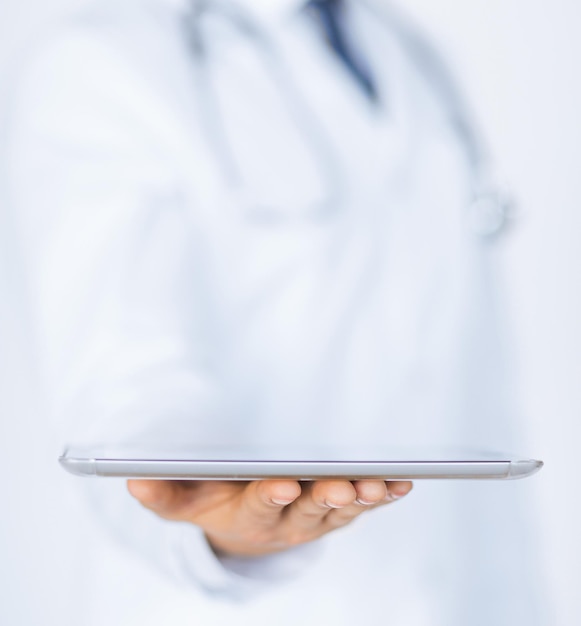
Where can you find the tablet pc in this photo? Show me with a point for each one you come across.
(303, 463)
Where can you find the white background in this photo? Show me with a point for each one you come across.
(519, 60)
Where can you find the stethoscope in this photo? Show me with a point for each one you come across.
(491, 205)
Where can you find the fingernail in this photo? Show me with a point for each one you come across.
(363, 502)
(390, 497)
(280, 502)
(332, 505)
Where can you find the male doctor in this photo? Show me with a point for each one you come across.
(266, 220)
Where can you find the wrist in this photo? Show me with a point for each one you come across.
(227, 547)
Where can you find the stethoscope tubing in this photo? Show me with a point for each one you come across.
(491, 205)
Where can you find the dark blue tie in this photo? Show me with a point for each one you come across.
(329, 14)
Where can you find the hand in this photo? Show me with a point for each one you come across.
(261, 517)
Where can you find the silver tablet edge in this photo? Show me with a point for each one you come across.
(524, 468)
(78, 467)
(255, 470)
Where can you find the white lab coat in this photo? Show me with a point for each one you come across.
(249, 244)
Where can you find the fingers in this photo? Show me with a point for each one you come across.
(318, 498)
(370, 494)
(263, 501)
(398, 489)
(370, 491)
(264, 516)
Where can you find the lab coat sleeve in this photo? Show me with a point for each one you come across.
(116, 288)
